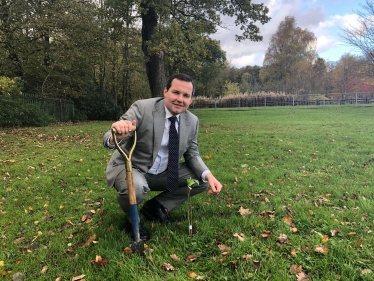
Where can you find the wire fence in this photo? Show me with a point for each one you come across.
(61, 109)
(284, 100)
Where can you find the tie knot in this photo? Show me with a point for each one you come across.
(173, 119)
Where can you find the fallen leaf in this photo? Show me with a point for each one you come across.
(127, 250)
(358, 242)
(239, 236)
(325, 238)
(192, 275)
(283, 238)
(1, 263)
(44, 269)
(366, 271)
(265, 234)
(293, 229)
(167, 266)
(99, 261)
(301, 276)
(80, 277)
(287, 220)
(244, 212)
(191, 258)
(223, 247)
(321, 249)
(18, 276)
(296, 268)
(175, 258)
(90, 240)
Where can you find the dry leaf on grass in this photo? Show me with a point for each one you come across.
(239, 236)
(366, 271)
(265, 234)
(287, 219)
(100, 261)
(321, 249)
(191, 258)
(80, 277)
(175, 258)
(301, 276)
(244, 212)
(167, 266)
(283, 239)
(224, 248)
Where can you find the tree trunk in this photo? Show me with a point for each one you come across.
(155, 65)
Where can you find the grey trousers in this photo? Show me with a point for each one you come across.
(144, 183)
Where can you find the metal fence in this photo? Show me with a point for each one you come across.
(285, 100)
(61, 109)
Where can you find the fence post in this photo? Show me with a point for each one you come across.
(293, 101)
(215, 104)
(239, 103)
(265, 101)
(356, 99)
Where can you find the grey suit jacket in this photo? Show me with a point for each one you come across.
(150, 124)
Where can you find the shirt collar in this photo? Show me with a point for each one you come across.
(168, 114)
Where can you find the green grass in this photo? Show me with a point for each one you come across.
(312, 166)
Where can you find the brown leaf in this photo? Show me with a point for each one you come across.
(191, 258)
(301, 276)
(192, 275)
(167, 266)
(296, 268)
(287, 219)
(293, 229)
(239, 236)
(90, 240)
(175, 258)
(283, 239)
(358, 242)
(244, 212)
(127, 250)
(325, 238)
(80, 277)
(321, 249)
(99, 261)
(44, 269)
(366, 271)
(223, 247)
(265, 234)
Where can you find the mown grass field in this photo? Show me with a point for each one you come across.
(297, 202)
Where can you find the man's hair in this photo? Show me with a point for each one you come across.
(181, 77)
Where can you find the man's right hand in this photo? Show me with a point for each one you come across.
(123, 129)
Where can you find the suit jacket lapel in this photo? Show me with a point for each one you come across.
(183, 131)
(159, 116)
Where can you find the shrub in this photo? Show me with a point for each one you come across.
(16, 113)
(10, 87)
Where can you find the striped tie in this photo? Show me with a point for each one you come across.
(173, 163)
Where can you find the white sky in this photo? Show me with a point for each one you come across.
(323, 17)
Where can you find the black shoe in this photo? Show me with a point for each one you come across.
(153, 211)
(143, 233)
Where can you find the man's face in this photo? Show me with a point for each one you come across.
(179, 97)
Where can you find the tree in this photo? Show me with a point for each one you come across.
(291, 50)
(362, 36)
(168, 24)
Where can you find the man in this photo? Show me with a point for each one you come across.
(152, 160)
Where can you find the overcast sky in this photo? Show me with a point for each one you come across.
(323, 17)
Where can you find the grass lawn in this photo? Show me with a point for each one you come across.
(297, 202)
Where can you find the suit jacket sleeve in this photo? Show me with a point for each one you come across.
(192, 155)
